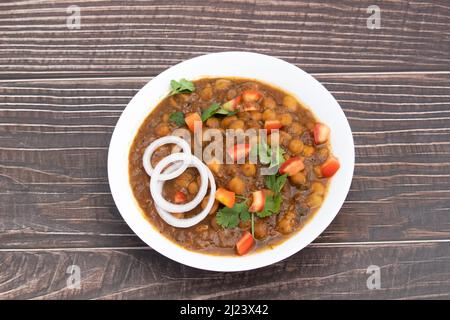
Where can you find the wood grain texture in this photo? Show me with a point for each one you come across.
(145, 37)
(406, 271)
(54, 136)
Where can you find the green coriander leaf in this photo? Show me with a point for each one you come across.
(182, 86)
(227, 218)
(208, 113)
(279, 159)
(178, 118)
(276, 183)
(271, 206)
(214, 109)
(230, 217)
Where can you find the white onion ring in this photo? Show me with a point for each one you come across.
(156, 184)
(146, 158)
(189, 222)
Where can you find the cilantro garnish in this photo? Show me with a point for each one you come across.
(230, 217)
(215, 108)
(182, 86)
(178, 118)
(264, 153)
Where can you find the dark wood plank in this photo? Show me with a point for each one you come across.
(337, 272)
(143, 38)
(54, 136)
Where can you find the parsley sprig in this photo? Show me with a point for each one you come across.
(181, 86)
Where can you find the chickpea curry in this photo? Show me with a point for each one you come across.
(245, 210)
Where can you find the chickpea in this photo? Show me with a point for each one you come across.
(173, 102)
(214, 166)
(290, 103)
(162, 130)
(269, 103)
(314, 201)
(206, 93)
(296, 146)
(213, 122)
(308, 151)
(310, 125)
(260, 229)
(249, 169)
(214, 207)
(201, 228)
(296, 128)
(245, 225)
(237, 185)
(269, 115)
(285, 119)
(287, 223)
(256, 115)
(318, 188)
(298, 179)
(222, 84)
(178, 215)
(285, 138)
(183, 180)
(237, 124)
(227, 121)
(318, 171)
(231, 94)
(166, 117)
(253, 124)
(193, 187)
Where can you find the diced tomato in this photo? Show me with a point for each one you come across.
(180, 197)
(233, 104)
(270, 125)
(191, 119)
(251, 95)
(239, 151)
(227, 198)
(259, 200)
(292, 166)
(330, 167)
(245, 243)
(321, 133)
(251, 106)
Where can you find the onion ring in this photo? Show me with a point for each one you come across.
(146, 158)
(189, 222)
(156, 184)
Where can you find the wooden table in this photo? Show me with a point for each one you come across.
(62, 91)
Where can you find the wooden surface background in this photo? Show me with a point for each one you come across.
(62, 91)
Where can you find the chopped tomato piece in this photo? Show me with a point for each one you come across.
(245, 243)
(180, 197)
(270, 125)
(259, 200)
(251, 95)
(251, 106)
(227, 198)
(239, 151)
(233, 104)
(330, 167)
(191, 119)
(321, 133)
(292, 166)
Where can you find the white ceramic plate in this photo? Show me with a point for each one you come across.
(238, 64)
